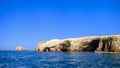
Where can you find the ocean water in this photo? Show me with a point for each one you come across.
(31, 59)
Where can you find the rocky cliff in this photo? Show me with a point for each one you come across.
(109, 43)
(20, 48)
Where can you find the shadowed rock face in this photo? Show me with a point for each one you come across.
(92, 44)
(20, 48)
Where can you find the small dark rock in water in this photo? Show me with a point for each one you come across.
(109, 43)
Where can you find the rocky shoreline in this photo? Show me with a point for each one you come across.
(109, 43)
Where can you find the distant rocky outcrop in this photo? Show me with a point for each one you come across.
(109, 43)
(20, 48)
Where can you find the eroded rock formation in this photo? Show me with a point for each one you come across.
(109, 43)
(20, 48)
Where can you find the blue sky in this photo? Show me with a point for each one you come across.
(27, 22)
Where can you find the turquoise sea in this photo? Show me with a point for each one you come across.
(31, 59)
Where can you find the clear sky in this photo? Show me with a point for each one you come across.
(27, 22)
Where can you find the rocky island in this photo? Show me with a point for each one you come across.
(20, 48)
(109, 43)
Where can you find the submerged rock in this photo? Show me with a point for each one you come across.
(109, 43)
(20, 48)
